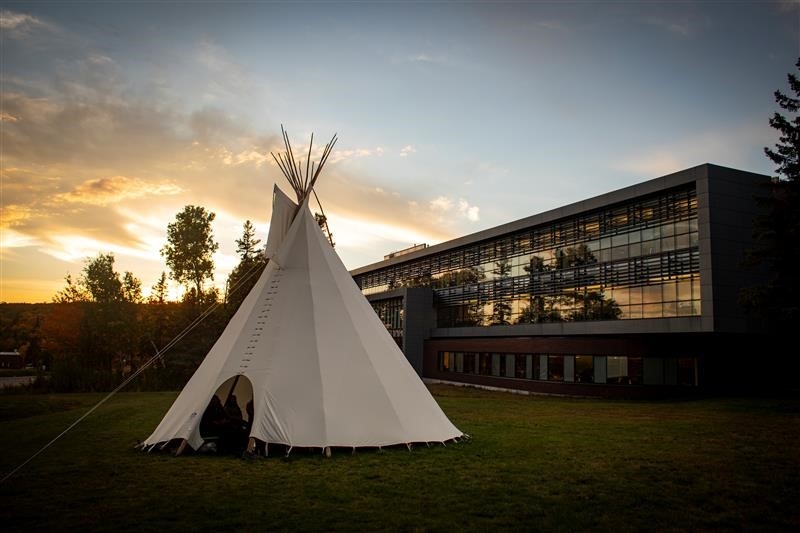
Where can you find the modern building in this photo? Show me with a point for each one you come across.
(631, 293)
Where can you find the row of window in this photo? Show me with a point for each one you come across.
(671, 298)
(611, 369)
(522, 312)
(623, 246)
(664, 222)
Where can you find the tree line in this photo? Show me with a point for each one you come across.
(99, 328)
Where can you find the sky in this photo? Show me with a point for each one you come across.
(452, 117)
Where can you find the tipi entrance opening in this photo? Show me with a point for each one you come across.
(228, 417)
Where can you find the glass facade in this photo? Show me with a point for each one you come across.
(602, 369)
(390, 311)
(628, 261)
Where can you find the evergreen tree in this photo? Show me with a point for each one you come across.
(246, 273)
(777, 231)
(247, 246)
(158, 292)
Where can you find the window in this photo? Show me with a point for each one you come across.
(584, 369)
(485, 364)
(555, 368)
(496, 364)
(616, 369)
(469, 362)
(446, 362)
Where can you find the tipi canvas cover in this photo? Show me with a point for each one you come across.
(323, 368)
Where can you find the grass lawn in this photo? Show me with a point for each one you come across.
(535, 463)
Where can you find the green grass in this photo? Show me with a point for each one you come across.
(534, 463)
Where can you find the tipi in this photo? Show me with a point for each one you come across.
(308, 349)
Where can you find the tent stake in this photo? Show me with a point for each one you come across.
(181, 448)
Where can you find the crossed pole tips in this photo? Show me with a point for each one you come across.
(301, 182)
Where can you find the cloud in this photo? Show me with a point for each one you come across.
(443, 207)
(94, 161)
(406, 150)
(18, 24)
(13, 215)
(100, 59)
(354, 153)
(470, 212)
(105, 191)
(248, 155)
(229, 140)
(441, 203)
(86, 127)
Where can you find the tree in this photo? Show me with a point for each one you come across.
(787, 155)
(246, 273)
(190, 247)
(501, 306)
(131, 288)
(456, 278)
(100, 280)
(72, 293)
(593, 305)
(540, 308)
(158, 292)
(95, 330)
(247, 246)
(777, 230)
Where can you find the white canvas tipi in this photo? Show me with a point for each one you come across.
(309, 350)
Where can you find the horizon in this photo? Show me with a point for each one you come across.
(452, 117)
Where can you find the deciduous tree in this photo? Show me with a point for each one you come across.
(131, 288)
(73, 292)
(190, 248)
(100, 280)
